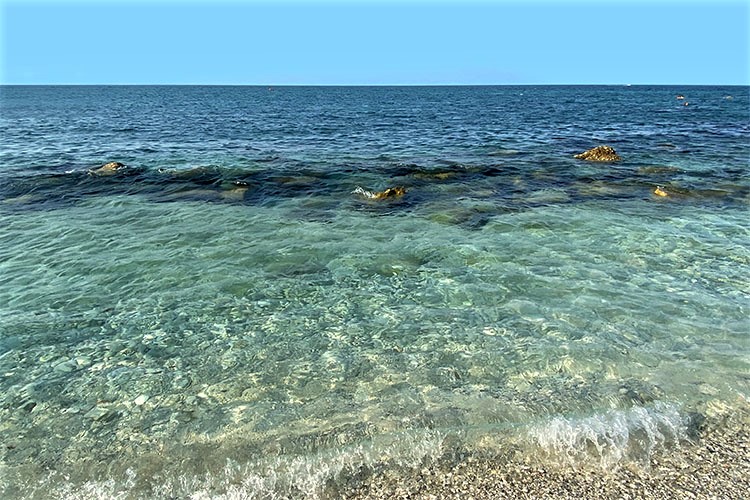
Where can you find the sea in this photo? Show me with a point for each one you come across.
(242, 310)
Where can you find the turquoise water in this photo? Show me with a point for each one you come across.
(227, 317)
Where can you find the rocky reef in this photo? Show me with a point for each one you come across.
(599, 153)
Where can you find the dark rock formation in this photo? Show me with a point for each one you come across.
(599, 153)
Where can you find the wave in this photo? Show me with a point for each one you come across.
(296, 476)
(612, 438)
(363, 192)
(604, 442)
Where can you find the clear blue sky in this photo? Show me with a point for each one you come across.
(376, 42)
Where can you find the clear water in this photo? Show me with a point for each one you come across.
(227, 317)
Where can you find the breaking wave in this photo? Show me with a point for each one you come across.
(611, 438)
(603, 441)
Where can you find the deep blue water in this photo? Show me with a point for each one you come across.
(228, 313)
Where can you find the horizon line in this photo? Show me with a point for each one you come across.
(271, 85)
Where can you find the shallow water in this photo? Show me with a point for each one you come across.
(227, 316)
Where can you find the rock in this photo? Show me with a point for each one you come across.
(83, 361)
(110, 168)
(599, 153)
(657, 169)
(236, 193)
(297, 180)
(98, 413)
(549, 195)
(140, 400)
(66, 366)
(392, 192)
(435, 176)
(180, 383)
(19, 200)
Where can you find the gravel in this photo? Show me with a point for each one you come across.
(715, 465)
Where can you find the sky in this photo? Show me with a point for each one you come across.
(386, 42)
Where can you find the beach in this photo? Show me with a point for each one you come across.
(715, 465)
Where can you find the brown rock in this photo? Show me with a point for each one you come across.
(108, 168)
(393, 192)
(599, 153)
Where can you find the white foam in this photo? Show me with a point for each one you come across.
(611, 438)
(300, 476)
(363, 192)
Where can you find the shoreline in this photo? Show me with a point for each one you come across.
(716, 465)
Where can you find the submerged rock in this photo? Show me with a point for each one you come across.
(548, 195)
(721, 192)
(236, 193)
(196, 175)
(101, 413)
(435, 176)
(657, 169)
(110, 168)
(297, 180)
(19, 200)
(599, 153)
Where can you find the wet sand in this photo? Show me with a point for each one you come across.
(716, 465)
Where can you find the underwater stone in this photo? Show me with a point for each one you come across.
(708, 389)
(97, 413)
(657, 169)
(27, 405)
(66, 366)
(696, 424)
(236, 193)
(181, 383)
(599, 153)
(82, 361)
(435, 176)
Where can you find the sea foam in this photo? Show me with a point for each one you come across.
(287, 476)
(612, 438)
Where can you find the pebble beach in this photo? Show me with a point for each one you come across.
(714, 465)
